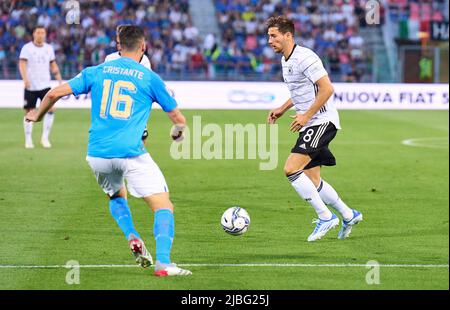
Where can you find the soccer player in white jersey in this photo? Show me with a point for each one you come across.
(116, 55)
(317, 122)
(36, 60)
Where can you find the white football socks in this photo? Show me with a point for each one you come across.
(28, 129)
(47, 126)
(306, 189)
(331, 198)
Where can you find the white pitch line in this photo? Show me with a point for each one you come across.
(422, 142)
(234, 265)
(316, 265)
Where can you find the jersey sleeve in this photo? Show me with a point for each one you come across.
(24, 53)
(161, 95)
(52, 54)
(312, 67)
(81, 84)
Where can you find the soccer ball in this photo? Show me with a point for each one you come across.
(235, 221)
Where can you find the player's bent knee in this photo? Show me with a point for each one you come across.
(291, 169)
(295, 163)
(288, 171)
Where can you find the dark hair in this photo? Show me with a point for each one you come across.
(283, 24)
(130, 37)
(38, 27)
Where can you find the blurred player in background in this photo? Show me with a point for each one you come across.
(116, 55)
(317, 121)
(36, 60)
(122, 95)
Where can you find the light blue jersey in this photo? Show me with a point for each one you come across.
(122, 94)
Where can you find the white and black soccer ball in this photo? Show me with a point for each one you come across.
(235, 221)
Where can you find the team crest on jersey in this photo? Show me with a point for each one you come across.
(290, 70)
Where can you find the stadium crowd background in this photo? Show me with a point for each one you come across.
(177, 50)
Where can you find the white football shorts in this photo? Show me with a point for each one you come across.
(142, 175)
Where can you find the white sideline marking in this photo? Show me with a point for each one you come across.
(234, 265)
(422, 142)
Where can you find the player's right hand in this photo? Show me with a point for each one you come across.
(177, 132)
(26, 84)
(274, 115)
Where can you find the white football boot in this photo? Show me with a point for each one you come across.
(322, 227)
(45, 143)
(29, 145)
(346, 228)
(140, 253)
(165, 270)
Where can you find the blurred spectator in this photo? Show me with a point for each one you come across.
(3, 63)
(167, 24)
(329, 27)
(354, 74)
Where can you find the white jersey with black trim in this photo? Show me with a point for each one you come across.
(38, 64)
(301, 70)
(144, 60)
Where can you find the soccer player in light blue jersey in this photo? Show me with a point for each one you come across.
(122, 93)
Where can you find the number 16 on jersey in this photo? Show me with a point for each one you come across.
(121, 105)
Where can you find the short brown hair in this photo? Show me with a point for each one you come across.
(283, 24)
(130, 37)
(120, 27)
(38, 27)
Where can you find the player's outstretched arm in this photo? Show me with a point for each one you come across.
(49, 100)
(278, 112)
(179, 124)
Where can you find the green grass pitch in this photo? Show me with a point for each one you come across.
(52, 210)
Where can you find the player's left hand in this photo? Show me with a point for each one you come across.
(300, 120)
(32, 116)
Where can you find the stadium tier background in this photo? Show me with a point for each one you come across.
(227, 40)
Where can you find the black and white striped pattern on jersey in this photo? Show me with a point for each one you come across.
(323, 109)
(297, 85)
(309, 65)
(319, 134)
(305, 61)
(305, 98)
(316, 90)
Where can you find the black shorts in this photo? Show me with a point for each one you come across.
(31, 97)
(314, 141)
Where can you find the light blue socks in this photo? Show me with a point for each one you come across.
(121, 213)
(163, 231)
